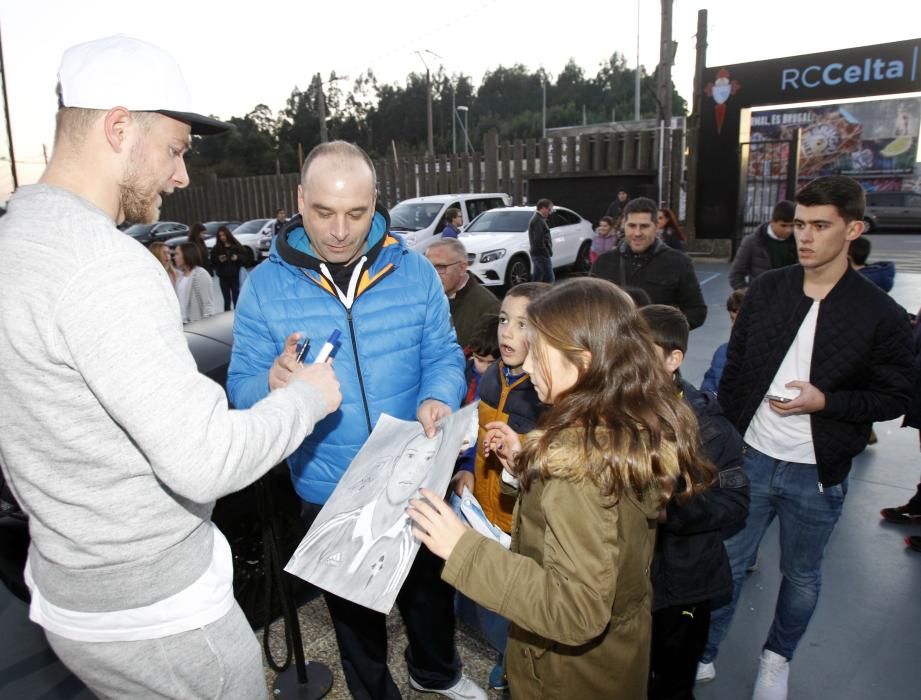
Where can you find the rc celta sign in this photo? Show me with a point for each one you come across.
(871, 70)
(728, 90)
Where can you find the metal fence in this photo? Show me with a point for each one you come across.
(499, 167)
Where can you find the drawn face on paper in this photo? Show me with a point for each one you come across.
(411, 468)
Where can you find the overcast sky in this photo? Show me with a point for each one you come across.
(236, 56)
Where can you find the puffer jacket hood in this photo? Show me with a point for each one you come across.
(882, 274)
(293, 245)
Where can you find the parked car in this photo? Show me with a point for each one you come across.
(210, 231)
(159, 231)
(893, 210)
(498, 247)
(266, 236)
(422, 219)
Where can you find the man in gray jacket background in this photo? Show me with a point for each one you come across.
(770, 246)
(112, 442)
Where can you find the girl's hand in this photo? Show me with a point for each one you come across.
(502, 441)
(435, 524)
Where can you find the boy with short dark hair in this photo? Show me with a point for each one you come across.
(882, 273)
(690, 567)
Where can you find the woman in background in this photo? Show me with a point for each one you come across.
(669, 230)
(226, 261)
(194, 284)
(162, 253)
(196, 236)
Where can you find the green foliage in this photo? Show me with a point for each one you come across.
(378, 117)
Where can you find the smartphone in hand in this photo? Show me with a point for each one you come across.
(778, 399)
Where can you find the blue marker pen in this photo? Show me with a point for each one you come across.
(302, 349)
(331, 343)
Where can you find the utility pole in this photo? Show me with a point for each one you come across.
(694, 124)
(430, 142)
(664, 94)
(321, 109)
(636, 85)
(6, 112)
(430, 136)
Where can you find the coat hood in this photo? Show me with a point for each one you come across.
(566, 460)
(293, 245)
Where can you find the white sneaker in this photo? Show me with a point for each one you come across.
(464, 689)
(705, 672)
(773, 674)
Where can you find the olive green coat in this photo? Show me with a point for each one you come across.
(575, 588)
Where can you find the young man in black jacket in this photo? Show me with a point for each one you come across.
(770, 246)
(817, 354)
(541, 244)
(690, 569)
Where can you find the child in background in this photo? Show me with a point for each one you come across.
(482, 353)
(506, 395)
(604, 239)
(614, 444)
(712, 377)
(882, 273)
(690, 568)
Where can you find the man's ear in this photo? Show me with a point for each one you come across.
(673, 360)
(116, 125)
(300, 199)
(855, 229)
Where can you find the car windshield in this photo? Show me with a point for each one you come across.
(252, 226)
(414, 216)
(500, 221)
(138, 229)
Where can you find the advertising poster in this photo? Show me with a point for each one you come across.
(876, 139)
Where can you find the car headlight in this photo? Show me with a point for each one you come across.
(492, 255)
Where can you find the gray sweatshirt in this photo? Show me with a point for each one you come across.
(111, 440)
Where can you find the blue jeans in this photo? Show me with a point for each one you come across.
(542, 270)
(790, 491)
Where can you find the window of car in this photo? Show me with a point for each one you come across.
(500, 221)
(442, 223)
(252, 226)
(561, 217)
(913, 201)
(477, 206)
(414, 216)
(884, 199)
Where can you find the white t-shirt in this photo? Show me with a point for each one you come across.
(183, 291)
(788, 438)
(206, 600)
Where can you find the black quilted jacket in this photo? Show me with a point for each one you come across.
(861, 360)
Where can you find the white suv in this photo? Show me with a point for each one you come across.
(420, 220)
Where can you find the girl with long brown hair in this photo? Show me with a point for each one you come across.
(612, 448)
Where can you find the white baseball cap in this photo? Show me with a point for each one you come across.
(120, 71)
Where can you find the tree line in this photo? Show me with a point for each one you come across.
(380, 117)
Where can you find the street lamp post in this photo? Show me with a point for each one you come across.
(463, 108)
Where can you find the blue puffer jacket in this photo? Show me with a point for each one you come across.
(398, 346)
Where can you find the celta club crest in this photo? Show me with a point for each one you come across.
(720, 90)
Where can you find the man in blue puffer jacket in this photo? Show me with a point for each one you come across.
(337, 267)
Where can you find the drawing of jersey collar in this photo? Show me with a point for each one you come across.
(362, 531)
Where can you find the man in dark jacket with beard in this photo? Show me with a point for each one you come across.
(642, 260)
(690, 567)
(769, 247)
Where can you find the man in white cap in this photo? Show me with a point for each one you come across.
(118, 462)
